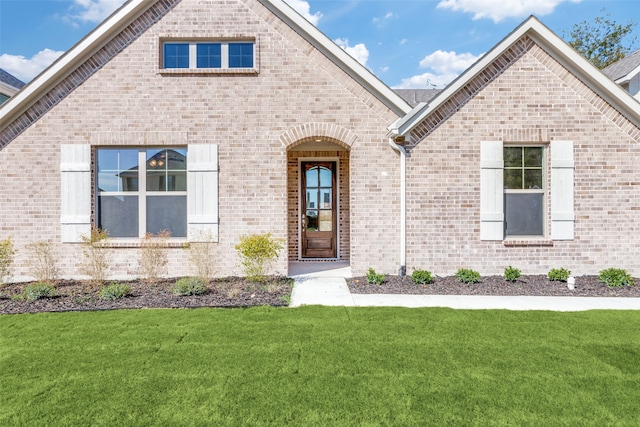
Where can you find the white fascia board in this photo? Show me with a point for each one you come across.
(70, 60)
(560, 51)
(629, 76)
(338, 55)
(8, 89)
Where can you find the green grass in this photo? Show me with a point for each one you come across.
(320, 366)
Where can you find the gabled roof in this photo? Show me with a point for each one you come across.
(554, 46)
(623, 70)
(132, 9)
(417, 96)
(7, 79)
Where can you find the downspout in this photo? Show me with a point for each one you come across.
(403, 205)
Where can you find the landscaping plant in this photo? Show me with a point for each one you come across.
(43, 261)
(115, 291)
(95, 257)
(374, 278)
(190, 286)
(6, 258)
(258, 253)
(559, 274)
(511, 274)
(421, 277)
(465, 275)
(38, 291)
(616, 278)
(153, 255)
(202, 255)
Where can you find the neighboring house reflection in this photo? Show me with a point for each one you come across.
(166, 171)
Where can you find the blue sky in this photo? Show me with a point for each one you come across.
(406, 43)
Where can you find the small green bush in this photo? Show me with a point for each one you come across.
(38, 291)
(190, 286)
(511, 274)
(559, 274)
(115, 291)
(616, 278)
(6, 258)
(421, 277)
(257, 254)
(374, 278)
(467, 276)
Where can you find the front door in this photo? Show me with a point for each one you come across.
(319, 225)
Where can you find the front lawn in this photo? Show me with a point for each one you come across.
(320, 366)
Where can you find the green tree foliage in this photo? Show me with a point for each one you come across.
(602, 41)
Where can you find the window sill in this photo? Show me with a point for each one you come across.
(139, 243)
(206, 71)
(527, 242)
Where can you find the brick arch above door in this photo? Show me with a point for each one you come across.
(327, 131)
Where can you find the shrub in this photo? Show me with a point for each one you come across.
(37, 291)
(511, 274)
(616, 278)
(6, 258)
(421, 277)
(559, 274)
(115, 291)
(43, 261)
(467, 276)
(257, 254)
(153, 256)
(190, 286)
(375, 278)
(202, 255)
(95, 257)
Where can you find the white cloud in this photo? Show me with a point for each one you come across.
(92, 11)
(448, 62)
(359, 51)
(426, 81)
(497, 10)
(386, 17)
(303, 8)
(26, 69)
(444, 66)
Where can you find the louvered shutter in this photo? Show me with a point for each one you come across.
(491, 192)
(202, 192)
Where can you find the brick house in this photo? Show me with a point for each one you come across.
(237, 117)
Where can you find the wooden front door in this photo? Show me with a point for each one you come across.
(319, 225)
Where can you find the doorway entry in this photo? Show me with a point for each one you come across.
(319, 210)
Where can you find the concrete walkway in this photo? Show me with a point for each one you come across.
(325, 284)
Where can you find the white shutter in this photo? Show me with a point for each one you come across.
(491, 191)
(562, 168)
(75, 191)
(202, 192)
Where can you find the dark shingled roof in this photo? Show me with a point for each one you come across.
(416, 96)
(623, 67)
(10, 80)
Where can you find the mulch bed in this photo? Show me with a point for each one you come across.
(534, 285)
(78, 296)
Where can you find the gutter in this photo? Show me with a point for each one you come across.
(403, 205)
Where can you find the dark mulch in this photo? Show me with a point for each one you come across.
(77, 296)
(586, 286)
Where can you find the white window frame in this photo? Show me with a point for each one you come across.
(193, 55)
(142, 192)
(542, 191)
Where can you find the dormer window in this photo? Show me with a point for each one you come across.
(207, 55)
